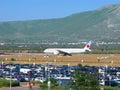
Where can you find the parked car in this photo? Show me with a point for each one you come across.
(41, 79)
(102, 82)
(113, 83)
(11, 77)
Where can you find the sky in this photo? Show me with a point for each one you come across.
(17, 10)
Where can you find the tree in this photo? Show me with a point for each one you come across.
(53, 83)
(83, 81)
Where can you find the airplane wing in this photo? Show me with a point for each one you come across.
(64, 53)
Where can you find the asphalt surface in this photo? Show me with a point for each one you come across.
(23, 86)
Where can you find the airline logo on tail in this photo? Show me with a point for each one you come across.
(88, 45)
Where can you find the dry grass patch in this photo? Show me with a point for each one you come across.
(84, 59)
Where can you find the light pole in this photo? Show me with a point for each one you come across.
(49, 83)
(29, 61)
(2, 64)
(48, 76)
(34, 61)
(55, 60)
(10, 78)
(68, 68)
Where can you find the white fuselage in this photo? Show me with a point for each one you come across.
(66, 50)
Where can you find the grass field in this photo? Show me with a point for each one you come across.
(111, 88)
(84, 59)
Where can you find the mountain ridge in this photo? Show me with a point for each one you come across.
(100, 25)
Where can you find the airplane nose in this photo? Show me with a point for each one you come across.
(44, 51)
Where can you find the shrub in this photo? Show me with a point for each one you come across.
(6, 83)
(15, 83)
(84, 81)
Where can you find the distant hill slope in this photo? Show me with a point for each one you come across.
(100, 24)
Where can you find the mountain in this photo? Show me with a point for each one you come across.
(102, 24)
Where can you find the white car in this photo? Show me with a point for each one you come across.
(102, 82)
(41, 79)
(12, 78)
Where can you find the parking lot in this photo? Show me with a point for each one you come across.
(24, 73)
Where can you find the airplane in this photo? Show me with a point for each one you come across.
(68, 51)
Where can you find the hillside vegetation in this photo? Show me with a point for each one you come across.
(101, 24)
